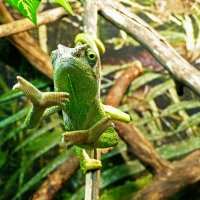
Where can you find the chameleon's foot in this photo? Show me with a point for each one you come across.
(40, 99)
(92, 164)
(86, 162)
(87, 136)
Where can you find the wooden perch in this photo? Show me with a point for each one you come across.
(25, 24)
(92, 178)
(179, 68)
(28, 46)
(169, 178)
(55, 180)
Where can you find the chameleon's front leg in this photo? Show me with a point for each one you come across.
(82, 137)
(40, 100)
(86, 162)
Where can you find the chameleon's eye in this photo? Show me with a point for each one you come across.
(91, 57)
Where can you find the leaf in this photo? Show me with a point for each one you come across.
(126, 190)
(179, 149)
(188, 26)
(66, 5)
(192, 121)
(120, 171)
(160, 89)
(28, 8)
(37, 133)
(179, 106)
(43, 143)
(2, 158)
(45, 171)
(14, 117)
(143, 79)
(11, 134)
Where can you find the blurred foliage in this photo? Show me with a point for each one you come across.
(170, 122)
(178, 21)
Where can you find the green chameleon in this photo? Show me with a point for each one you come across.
(86, 119)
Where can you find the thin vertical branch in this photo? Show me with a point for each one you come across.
(90, 28)
(42, 32)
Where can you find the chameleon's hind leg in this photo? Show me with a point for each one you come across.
(87, 136)
(86, 162)
(40, 100)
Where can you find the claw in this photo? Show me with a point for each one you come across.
(16, 86)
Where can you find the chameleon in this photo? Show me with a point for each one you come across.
(87, 121)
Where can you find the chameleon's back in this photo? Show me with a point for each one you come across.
(74, 75)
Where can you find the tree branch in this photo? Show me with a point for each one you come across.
(92, 180)
(25, 24)
(178, 67)
(55, 180)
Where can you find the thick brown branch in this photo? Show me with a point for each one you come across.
(117, 91)
(164, 186)
(142, 148)
(179, 68)
(25, 24)
(56, 179)
(28, 46)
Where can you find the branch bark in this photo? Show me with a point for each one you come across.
(55, 180)
(178, 67)
(25, 24)
(92, 179)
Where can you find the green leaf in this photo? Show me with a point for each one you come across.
(37, 133)
(3, 157)
(44, 143)
(120, 171)
(127, 190)
(192, 121)
(14, 117)
(179, 149)
(160, 89)
(45, 171)
(28, 8)
(144, 79)
(179, 106)
(66, 5)
(5, 137)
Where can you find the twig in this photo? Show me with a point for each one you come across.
(42, 33)
(178, 67)
(25, 24)
(90, 27)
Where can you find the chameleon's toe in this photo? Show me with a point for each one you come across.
(92, 164)
(75, 137)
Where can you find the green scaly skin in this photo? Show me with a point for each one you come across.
(76, 94)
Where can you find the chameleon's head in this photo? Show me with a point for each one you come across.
(71, 57)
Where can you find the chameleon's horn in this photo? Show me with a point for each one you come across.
(94, 43)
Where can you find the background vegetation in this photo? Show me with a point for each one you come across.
(170, 122)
